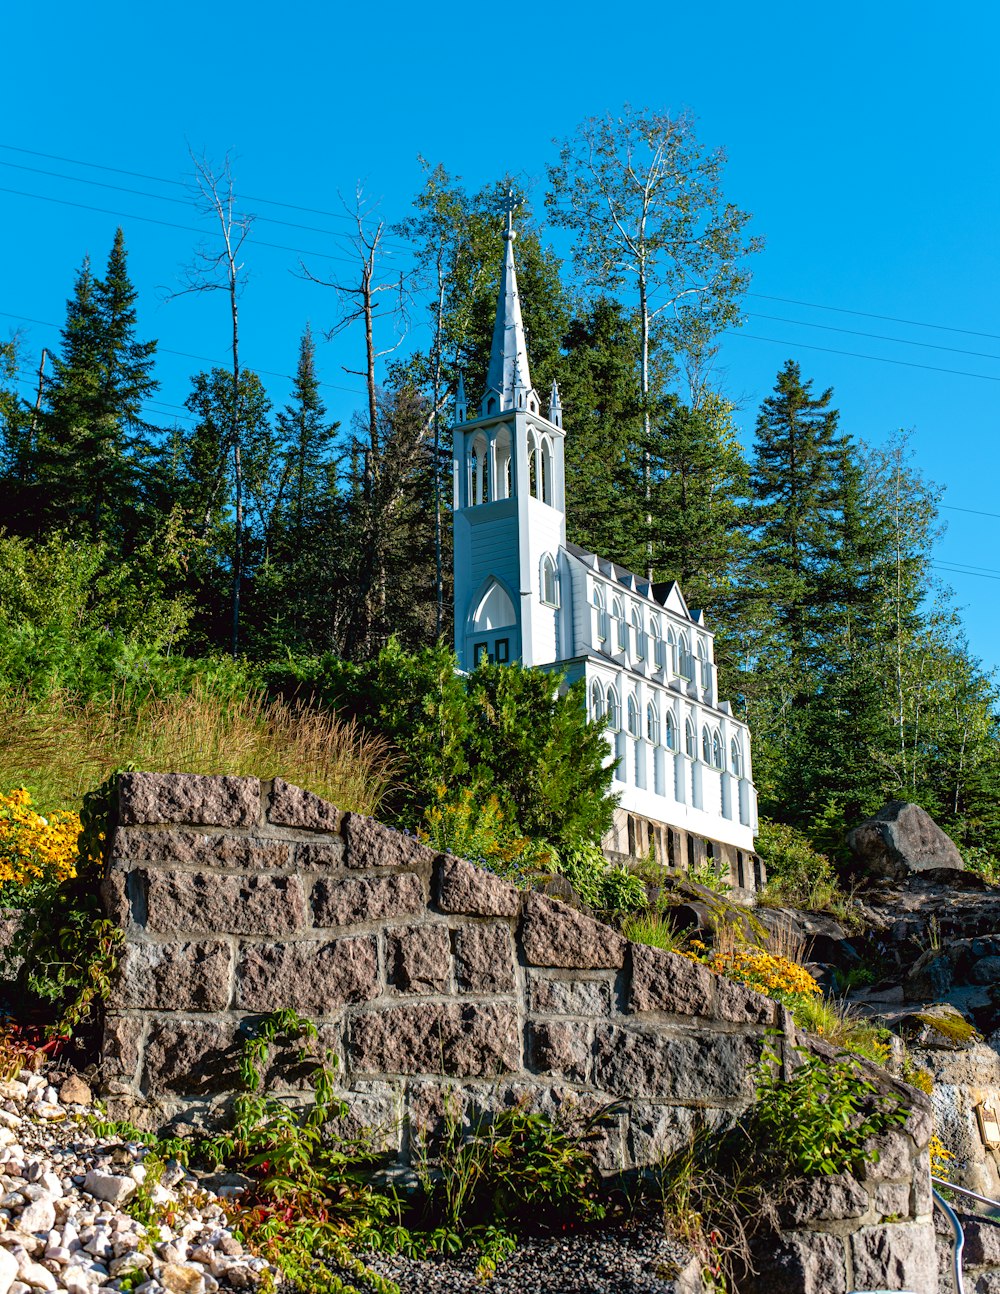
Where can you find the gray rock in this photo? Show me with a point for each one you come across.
(75, 1091)
(803, 1264)
(463, 1041)
(39, 1215)
(897, 1256)
(370, 844)
(552, 996)
(8, 1270)
(195, 849)
(715, 1068)
(903, 838)
(666, 982)
(189, 902)
(191, 976)
(108, 1186)
(982, 1242)
(484, 959)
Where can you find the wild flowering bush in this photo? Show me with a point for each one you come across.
(34, 850)
(766, 972)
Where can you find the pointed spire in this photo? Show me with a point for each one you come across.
(508, 376)
(555, 405)
(460, 400)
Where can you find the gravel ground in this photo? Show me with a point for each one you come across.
(636, 1260)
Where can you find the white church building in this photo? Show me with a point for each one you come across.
(523, 593)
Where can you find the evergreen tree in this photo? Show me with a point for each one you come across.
(93, 443)
(307, 444)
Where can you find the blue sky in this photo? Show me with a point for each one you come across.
(862, 137)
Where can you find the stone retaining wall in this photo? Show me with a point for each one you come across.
(429, 976)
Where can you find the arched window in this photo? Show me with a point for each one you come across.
(532, 464)
(669, 732)
(480, 472)
(596, 700)
(706, 745)
(504, 465)
(652, 724)
(633, 715)
(640, 637)
(706, 669)
(736, 757)
(495, 610)
(602, 615)
(491, 405)
(690, 740)
(687, 660)
(621, 631)
(655, 634)
(672, 651)
(614, 710)
(545, 494)
(550, 581)
(717, 760)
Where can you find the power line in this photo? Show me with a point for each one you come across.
(972, 574)
(205, 359)
(169, 224)
(161, 179)
(878, 359)
(853, 332)
(866, 314)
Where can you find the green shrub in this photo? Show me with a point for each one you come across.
(820, 1120)
(797, 874)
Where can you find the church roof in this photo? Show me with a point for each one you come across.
(666, 593)
(508, 371)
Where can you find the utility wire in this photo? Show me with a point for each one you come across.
(853, 332)
(866, 314)
(878, 359)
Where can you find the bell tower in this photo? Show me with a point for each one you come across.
(509, 501)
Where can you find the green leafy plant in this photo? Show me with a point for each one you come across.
(821, 1119)
(600, 884)
(656, 930)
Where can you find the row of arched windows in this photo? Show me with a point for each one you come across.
(605, 704)
(672, 653)
(490, 468)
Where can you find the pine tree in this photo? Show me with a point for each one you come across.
(308, 440)
(93, 444)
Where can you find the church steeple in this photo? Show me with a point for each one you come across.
(508, 381)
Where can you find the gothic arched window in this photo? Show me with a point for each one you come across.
(602, 615)
(717, 760)
(655, 634)
(596, 700)
(621, 631)
(640, 637)
(550, 581)
(706, 669)
(532, 464)
(545, 493)
(669, 732)
(504, 487)
(652, 724)
(706, 745)
(690, 740)
(736, 757)
(480, 472)
(687, 660)
(671, 651)
(614, 710)
(633, 715)
(495, 610)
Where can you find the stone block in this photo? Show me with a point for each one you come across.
(703, 1069)
(191, 1057)
(657, 1131)
(312, 977)
(185, 902)
(892, 1200)
(551, 996)
(319, 855)
(898, 1255)
(115, 902)
(291, 806)
(484, 959)
(468, 1040)
(833, 1198)
(741, 1005)
(663, 981)
(191, 976)
(133, 846)
(374, 1115)
(467, 889)
(153, 798)
(370, 844)
(554, 935)
(982, 1242)
(120, 1046)
(894, 1162)
(561, 1048)
(358, 899)
(418, 958)
(987, 1283)
(805, 1264)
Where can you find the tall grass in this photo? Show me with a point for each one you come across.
(60, 748)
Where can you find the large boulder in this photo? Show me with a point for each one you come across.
(903, 838)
